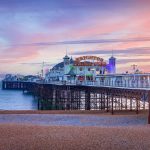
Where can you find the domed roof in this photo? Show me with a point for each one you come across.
(59, 65)
(112, 57)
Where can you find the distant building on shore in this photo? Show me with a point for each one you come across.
(28, 78)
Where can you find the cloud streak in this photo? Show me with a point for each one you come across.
(135, 51)
(145, 39)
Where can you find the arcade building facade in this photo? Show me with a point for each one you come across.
(81, 69)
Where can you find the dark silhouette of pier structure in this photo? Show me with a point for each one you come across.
(82, 97)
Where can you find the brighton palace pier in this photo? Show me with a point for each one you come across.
(92, 70)
(88, 83)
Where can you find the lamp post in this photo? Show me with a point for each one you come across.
(134, 67)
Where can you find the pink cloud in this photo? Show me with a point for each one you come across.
(17, 54)
(95, 26)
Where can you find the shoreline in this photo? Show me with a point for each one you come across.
(89, 112)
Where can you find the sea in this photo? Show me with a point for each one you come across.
(16, 100)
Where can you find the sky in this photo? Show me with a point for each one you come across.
(33, 31)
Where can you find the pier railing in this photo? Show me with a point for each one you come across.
(20, 84)
(100, 84)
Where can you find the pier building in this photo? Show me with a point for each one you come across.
(81, 69)
(93, 70)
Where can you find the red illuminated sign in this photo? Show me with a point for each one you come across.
(84, 61)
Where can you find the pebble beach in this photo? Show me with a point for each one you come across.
(33, 130)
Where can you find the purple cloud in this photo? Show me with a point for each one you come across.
(134, 51)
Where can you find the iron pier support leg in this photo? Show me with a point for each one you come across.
(107, 103)
(149, 107)
(112, 100)
(87, 100)
(137, 105)
(130, 104)
(38, 103)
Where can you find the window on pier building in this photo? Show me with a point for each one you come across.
(81, 69)
(104, 71)
(100, 71)
(97, 69)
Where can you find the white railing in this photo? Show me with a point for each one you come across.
(99, 84)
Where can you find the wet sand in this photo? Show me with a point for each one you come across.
(50, 130)
(95, 112)
(74, 120)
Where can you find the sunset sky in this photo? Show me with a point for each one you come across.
(32, 31)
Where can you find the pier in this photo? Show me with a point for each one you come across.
(60, 96)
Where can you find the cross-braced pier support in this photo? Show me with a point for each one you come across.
(66, 97)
